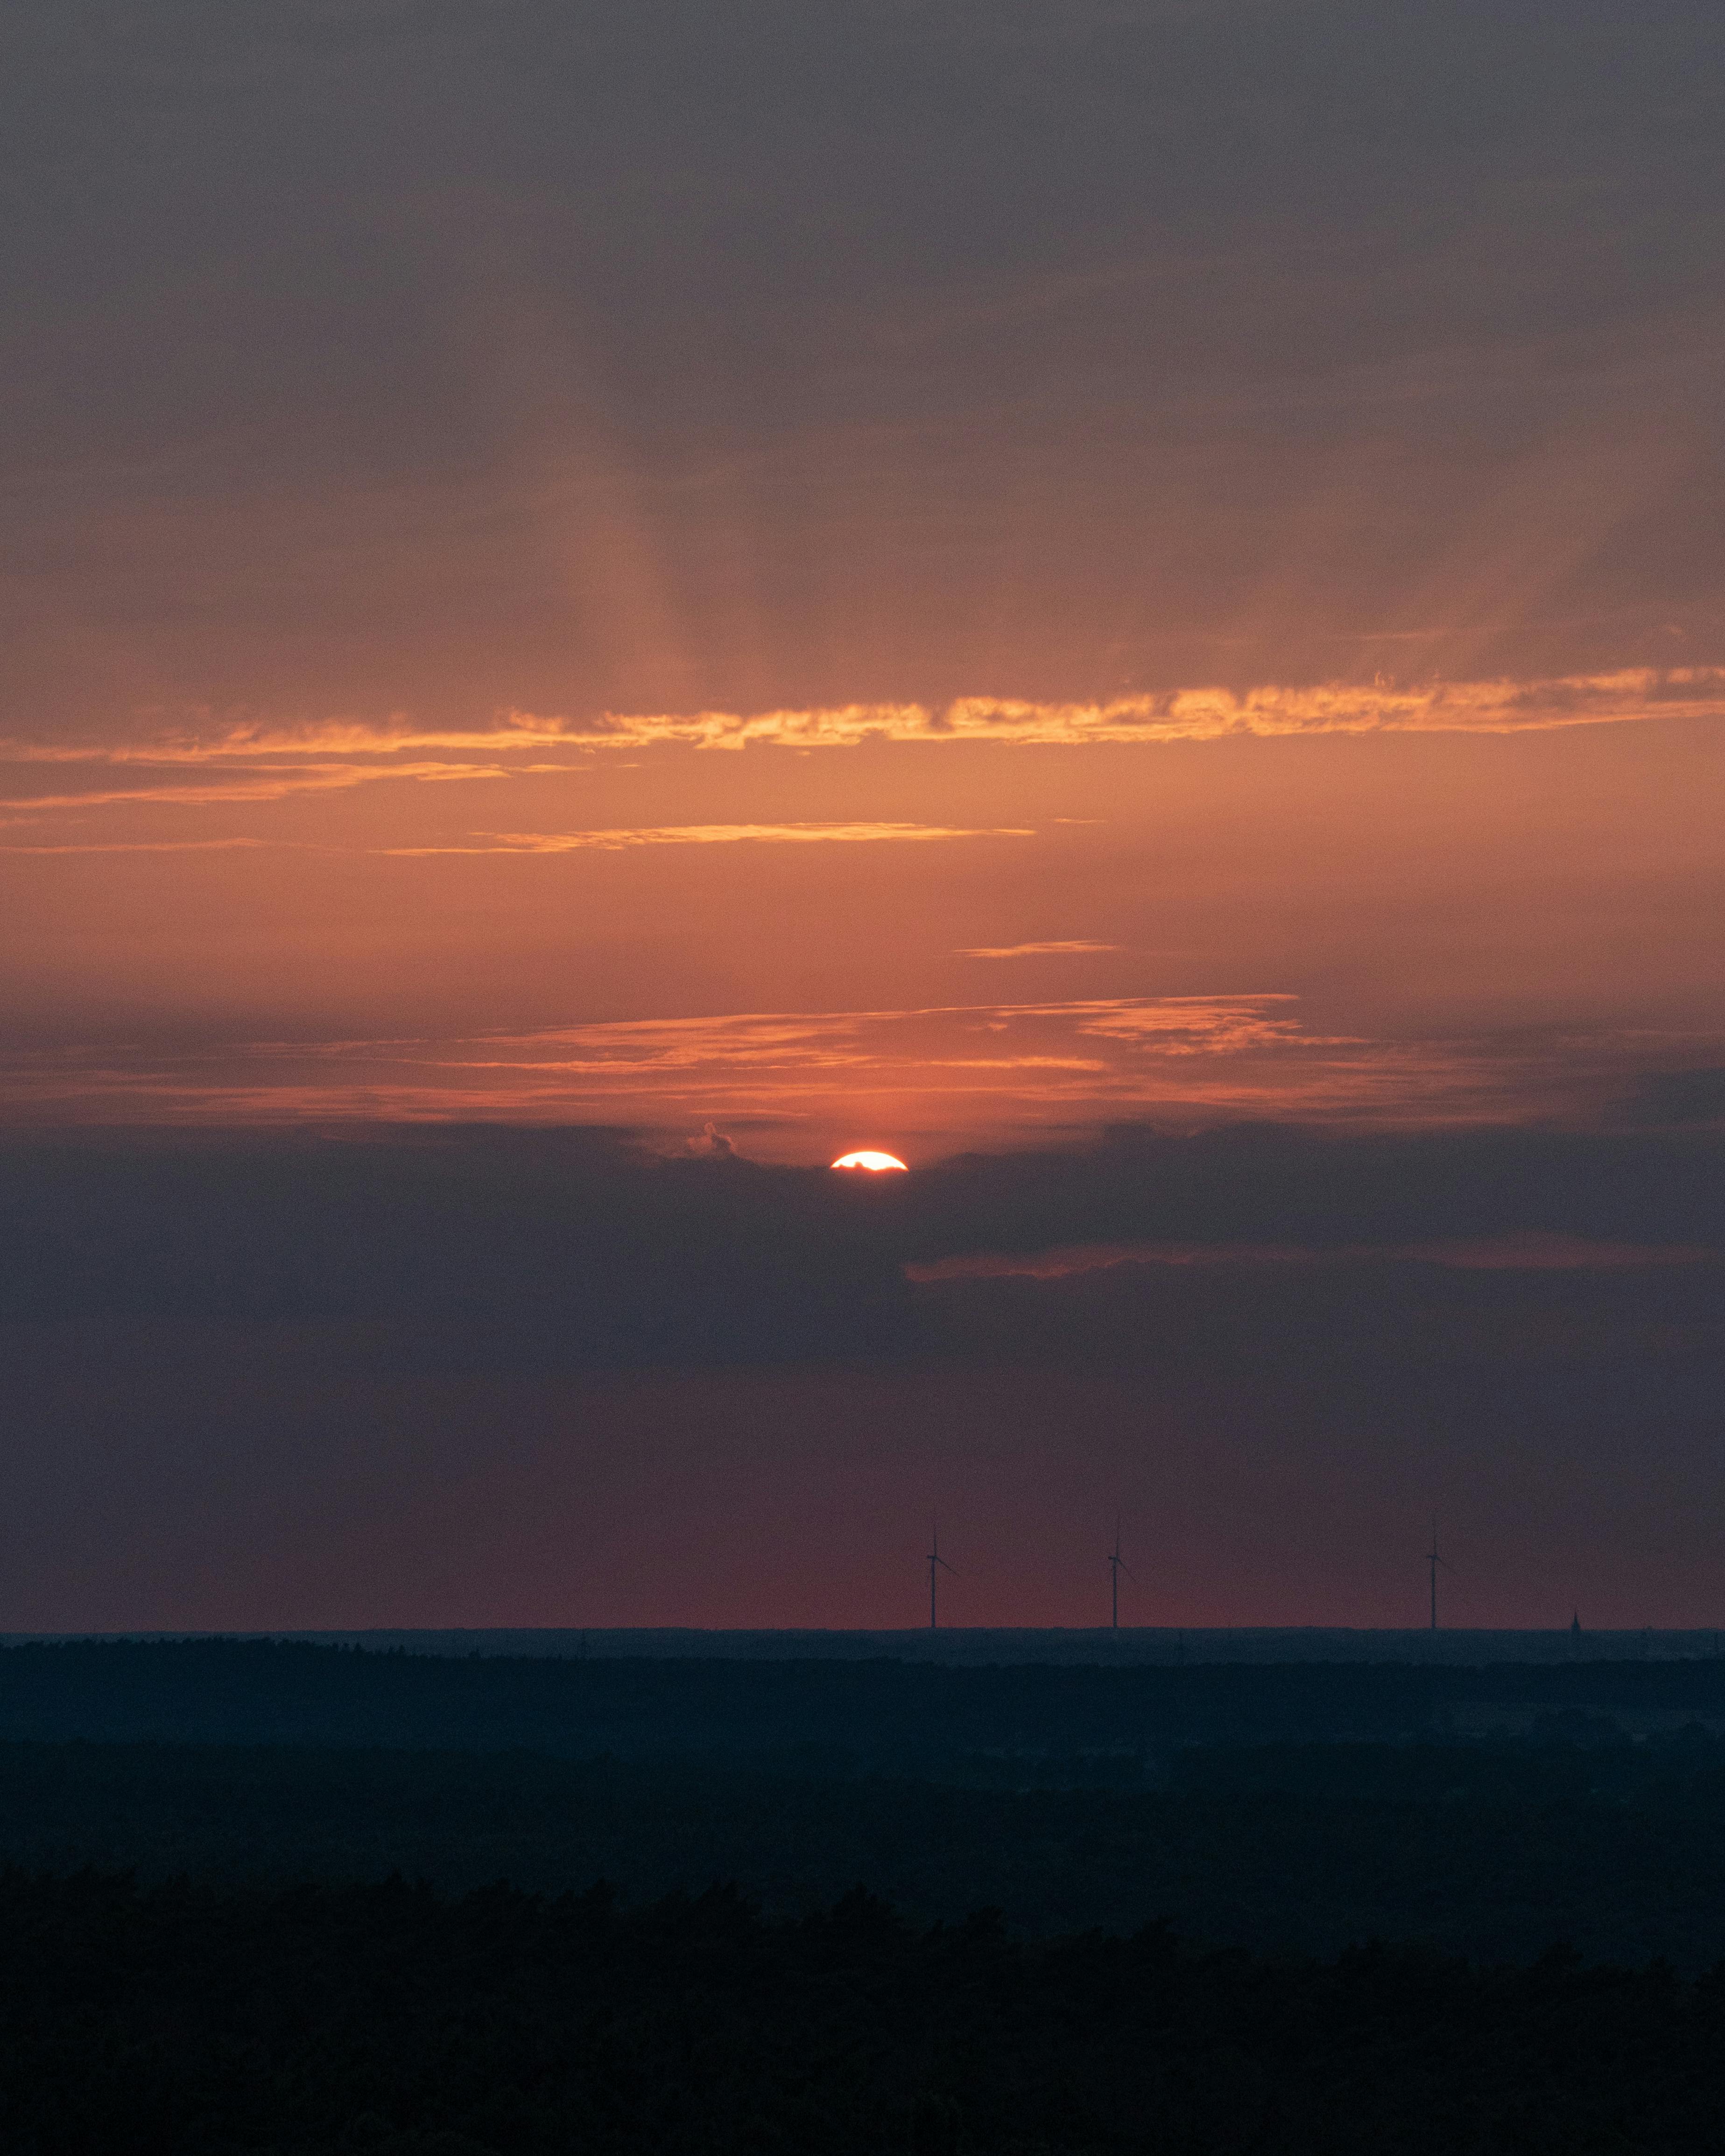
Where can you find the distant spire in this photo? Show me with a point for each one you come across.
(1575, 1622)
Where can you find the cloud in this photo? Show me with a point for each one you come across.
(147, 846)
(1522, 1250)
(714, 1144)
(1499, 704)
(224, 740)
(583, 1246)
(702, 834)
(266, 786)
(791, 1051)
(1084, 1061)
(1036, 950)
(937, 1077)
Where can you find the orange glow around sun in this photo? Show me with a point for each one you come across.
(873, 1161)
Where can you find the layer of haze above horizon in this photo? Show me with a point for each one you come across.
(1121, 603)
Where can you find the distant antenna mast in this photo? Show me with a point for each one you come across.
(1433, 1560)
(937, 1565)
(1117, 1565)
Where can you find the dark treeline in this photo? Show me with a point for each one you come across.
(881, 1715)
(1496, 1851)
(382, 2019)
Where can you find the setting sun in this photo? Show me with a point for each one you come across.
(874, 1161)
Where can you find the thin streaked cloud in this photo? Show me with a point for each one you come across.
(1529, 1251)
(276, 785)
(1073, 946)
(146, 846)
(702, 834)
(216, 740)
(941, 1078)
(1029, 1063)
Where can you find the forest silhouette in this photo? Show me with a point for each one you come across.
(280, 1899)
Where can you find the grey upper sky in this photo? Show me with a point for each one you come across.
(476, 354)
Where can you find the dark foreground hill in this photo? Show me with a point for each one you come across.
(200, 2022)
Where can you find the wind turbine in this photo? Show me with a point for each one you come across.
(1433, 1560)
(1117, 1565)
(937, 1565)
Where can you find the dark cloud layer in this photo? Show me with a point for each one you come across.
(576, 1250)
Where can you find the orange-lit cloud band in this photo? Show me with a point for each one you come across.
(1500, 704)
(1199, 713)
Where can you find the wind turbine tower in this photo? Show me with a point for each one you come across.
(937, 1565)
(1433, 1560)
(1117, 1565)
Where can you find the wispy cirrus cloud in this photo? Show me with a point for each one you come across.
(703, 834)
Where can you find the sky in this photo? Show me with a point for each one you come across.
(598, 605)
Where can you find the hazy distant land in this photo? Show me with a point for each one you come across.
(981, 1645)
